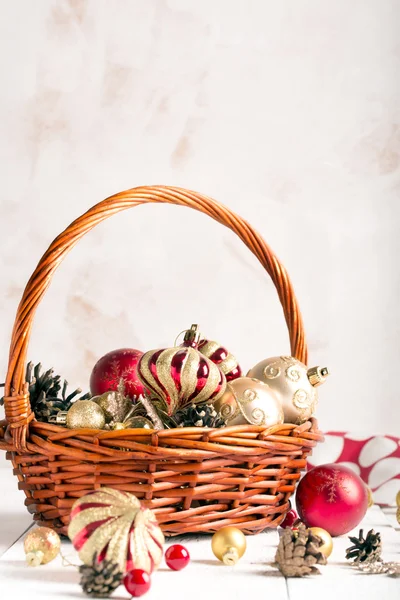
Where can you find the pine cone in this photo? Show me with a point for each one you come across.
(100, 579)
(298, 552)
(203, 415)
(365, 550)
(44, 389)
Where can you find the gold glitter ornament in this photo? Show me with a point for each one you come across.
(398, 514)
(327, 542)
(293, 383)
(398, 498)
(41, 546)
(114, 404)
(85, 414)
(138, 422)
(228, 544)
(117, 527)
(248, 400)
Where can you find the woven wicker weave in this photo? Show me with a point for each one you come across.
(196, 479)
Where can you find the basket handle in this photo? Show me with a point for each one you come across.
(16, 400)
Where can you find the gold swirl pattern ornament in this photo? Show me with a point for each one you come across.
(293, 383)
(115, 526)
(180, 376)
(249, 401)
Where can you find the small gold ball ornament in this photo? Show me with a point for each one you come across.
(85, 414)
(249, 400)
(293, 383)
(370, 497)
(398, 499)
(228, 545)
(137, 422)
(327, 545)
(41, 546)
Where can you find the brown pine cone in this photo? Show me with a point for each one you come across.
(298, 552)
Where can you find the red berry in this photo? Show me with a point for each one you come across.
(177, 557)
(137, 582)
(290, 519)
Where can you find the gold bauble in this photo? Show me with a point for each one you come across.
(327, 542)
(114, 404)
(248, 400)
(293, 383)
(398, 514)
(398, 499)
(370, 497)
(228, 545)
(41, 545)
(85, 414)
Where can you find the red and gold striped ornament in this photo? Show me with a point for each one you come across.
(180, 376)
(115, 526)
(221, 357)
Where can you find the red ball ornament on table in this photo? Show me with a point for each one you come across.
(137, 582)
(177, 557)
(290, 519)
(114, 366)
(332, 497)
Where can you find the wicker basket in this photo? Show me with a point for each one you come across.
(195, 479)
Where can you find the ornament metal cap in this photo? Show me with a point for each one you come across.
(192, 336)
(317, 375)
(59, 419)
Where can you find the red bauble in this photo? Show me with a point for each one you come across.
(177, 557)
(137, 582)
(332, 497)
(290, 519)
(114, 366)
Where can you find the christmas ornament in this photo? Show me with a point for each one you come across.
(177, 377)
(398, 515)
(177, 557)
(118, 528)
(228, 544)
(368, 549)
(114, 366)
(293, 383)
(44, 393)
(137, 582)
(298, 552)
(333, 497)
(84, 414)
(138, 422)
(370, 497)
(203, 415)
(41, 546)
(101, 578)
(115, 405)
(398, 498)
(327, 543)
(248, 400)
(290, 519)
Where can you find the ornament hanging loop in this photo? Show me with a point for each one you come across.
(191, 338)
(230, 557)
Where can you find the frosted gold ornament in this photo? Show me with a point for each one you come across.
(85, 414)
(370, 497)
(327, 542)
(116, 526)
(114, 404)
(41, 546)
(228, 545)
(249, 400)
(293, 383)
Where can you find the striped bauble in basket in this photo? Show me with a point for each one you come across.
(195, 479)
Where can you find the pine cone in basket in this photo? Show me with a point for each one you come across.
(366, 550)
(100, 579)
(298, 552)
(44, 389)
(202, 415)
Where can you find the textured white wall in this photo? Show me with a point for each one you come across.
(288, 112)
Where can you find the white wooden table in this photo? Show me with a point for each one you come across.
(253, 577)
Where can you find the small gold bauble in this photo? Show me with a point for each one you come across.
(41, 545)
(398, 498)
(248, 400)
(85, 414)
(137, 422)
(293, 383)
(114, 404)
(228, 545)
(370, 497)
(327, 545)
(398, 514)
